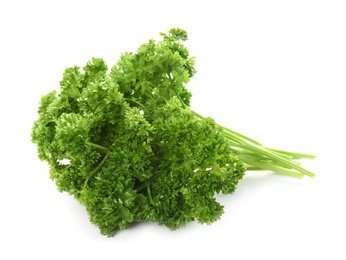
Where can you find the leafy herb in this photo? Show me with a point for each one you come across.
(136, 151)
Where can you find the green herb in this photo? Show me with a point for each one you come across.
(136, 151)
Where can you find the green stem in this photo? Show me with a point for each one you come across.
(241, 136)
(175, 91)
(134, 101)
(273, 156)
(234, 138)
(229, 131)
(252, 168)
(226, 132)
(181, 101)
(149, 193)
(150, 181)
(283, 157)
(98, 146)
(98, 167)
(242, 151)
(279, 157)
(293, 154)
(274, 168)
(264, 160)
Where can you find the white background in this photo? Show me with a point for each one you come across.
(272, 70)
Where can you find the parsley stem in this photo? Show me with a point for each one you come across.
(275, 157)
(234, 138)
(98, 146)
(241, 136)
(234, 133)
(150, 181)
(229, 133)
(256, 149)
(265, 160)
(294, 155)
(134, 101)
(98, 167)
(244, 151)
(274, 168)
(181, 101)
(198, 115)
(149, 193)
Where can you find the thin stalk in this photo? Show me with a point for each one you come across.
(98, 167)
(264, 160)
(197, 115)
(293, 154)
(134, 101)
(98, 146)
(252, 168)
(273, 156)
(234, 138)
(150, 181)
(274, 168)
(284, 158)
(241, 136)
(149, 193)
(243, 151)
(181, 101)
(176, 92)
(234, 133)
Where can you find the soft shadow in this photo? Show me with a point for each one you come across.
(252, 179)
(256, 181)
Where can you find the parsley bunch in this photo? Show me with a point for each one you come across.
(135, 150)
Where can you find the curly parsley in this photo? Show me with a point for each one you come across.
(135, 150)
